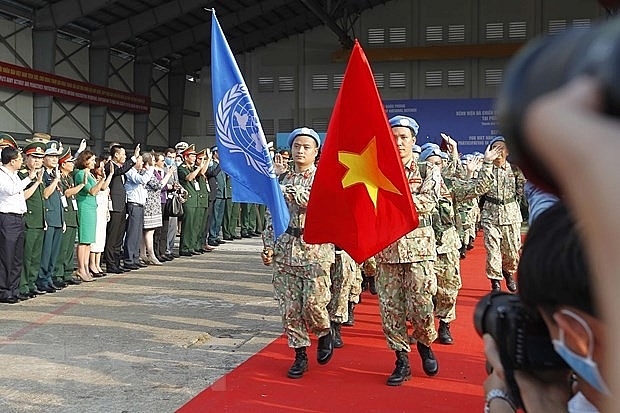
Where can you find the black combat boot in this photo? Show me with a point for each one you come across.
(444, 333)
(463, 252)
(300, 365)
(372, 287)
(496, 285)
(402, 372)
(429, 363)
(510, 282)
(325, 348)
(337, 337)
(350, 320)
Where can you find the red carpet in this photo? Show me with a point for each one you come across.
(354, 380)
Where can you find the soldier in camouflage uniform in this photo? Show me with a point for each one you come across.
(301, 271)
(343, 277)
(447, 266)
(405, 279)
(501, 220)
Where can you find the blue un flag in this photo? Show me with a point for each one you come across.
(240, 138)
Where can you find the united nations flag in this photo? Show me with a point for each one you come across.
(242, 146)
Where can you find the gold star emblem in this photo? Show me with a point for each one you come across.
(363, 168)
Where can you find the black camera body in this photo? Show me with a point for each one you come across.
(522, 338)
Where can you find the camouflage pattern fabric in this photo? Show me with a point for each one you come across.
(343, 275)
(503, 243)
(447, 271)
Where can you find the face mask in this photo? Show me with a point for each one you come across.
(178, 163)
(584, 367)
(168, 161)
(579, 404)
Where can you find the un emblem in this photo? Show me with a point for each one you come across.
(240, 131)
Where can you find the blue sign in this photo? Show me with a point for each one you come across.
(470, 122)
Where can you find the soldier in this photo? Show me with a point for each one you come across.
(63, 272)
(405, 279)
(501, 219)
(54, 218)
(301, 271)
(202, 157)
(7, 141)
(188, 172)
(222, 192)
(447, 265)
(34, 220)
(416, 153)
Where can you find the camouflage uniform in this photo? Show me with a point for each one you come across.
(405, 279)
(447, 267)
(344, 275)
(501, 221)
(301, 279)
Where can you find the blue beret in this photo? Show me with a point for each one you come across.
(428, 152)
(416, 149)
(405, 121)
(444, 155)
(497, 139)
(430, 145)
(305, 132)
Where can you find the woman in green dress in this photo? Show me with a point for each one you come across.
(87, 210)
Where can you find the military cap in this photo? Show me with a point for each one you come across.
(202, 153)
(66, 157)
(190, 150)
(406, 122)
(416, 149)
(497, 139)
(429, 145)
(428, 152)
(7, 141)
(304, 131)
(181, 146)
(214, 149)
(53, 148)
(36, 149)
(39, 137)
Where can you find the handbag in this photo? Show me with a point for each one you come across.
(174, 205)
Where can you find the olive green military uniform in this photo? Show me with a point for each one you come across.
(64, 263)
(202, 217)
(190, 224)
(34, 232)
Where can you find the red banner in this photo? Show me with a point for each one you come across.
(21, 78)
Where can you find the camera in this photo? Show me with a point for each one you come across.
(545, 65)
(522, 338)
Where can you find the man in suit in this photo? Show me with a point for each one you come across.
(117, 206)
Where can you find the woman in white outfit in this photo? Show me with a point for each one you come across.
(103, 216)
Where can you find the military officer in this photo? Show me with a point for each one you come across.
(54, 218)
(405, 279)
(202, 157)
(34, 221)
(501, 219)
(63, 272)
(188, 173)
(301, 271)
(7, 141)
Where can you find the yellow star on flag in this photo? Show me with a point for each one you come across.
(363, 168)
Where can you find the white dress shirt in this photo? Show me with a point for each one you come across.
(12, 199)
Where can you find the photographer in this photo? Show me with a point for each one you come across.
(554, 280)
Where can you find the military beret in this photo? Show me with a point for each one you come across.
(190, 150)
(214, 149)
(304, 132)
(497, 139)
(428, 152)
(416, 149)
(405, 121)
(7, 141)
(53, 148)
(444, 155)
(429, 145)
(36, 149)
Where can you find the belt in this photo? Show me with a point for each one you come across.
(498, 201)
(15, 214)
(424, 222)
(135, 204)
(296, 232)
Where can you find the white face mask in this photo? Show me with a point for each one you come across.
(579, 404)
(585, 367)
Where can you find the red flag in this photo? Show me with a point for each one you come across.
(360, 199)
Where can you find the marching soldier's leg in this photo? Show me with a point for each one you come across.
(316, 297)
(492, 240)
(448, 286)
(510, 247)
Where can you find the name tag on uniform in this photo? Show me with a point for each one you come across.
(63, 201)
(196, 186)
(74, 203)
(110, 207)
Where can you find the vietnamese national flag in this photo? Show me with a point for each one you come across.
(360, 199)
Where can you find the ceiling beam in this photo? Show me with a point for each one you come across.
(344, 38)
(195, 61)
(202, 32)
(140, 23)
(56, 15)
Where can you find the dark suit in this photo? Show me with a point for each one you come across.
(116, 226)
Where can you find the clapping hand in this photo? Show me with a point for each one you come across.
(82, 146)
(450, 143)
(136, 151)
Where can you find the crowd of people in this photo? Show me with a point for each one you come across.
(64, 217)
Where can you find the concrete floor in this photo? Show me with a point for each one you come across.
(144, 341)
